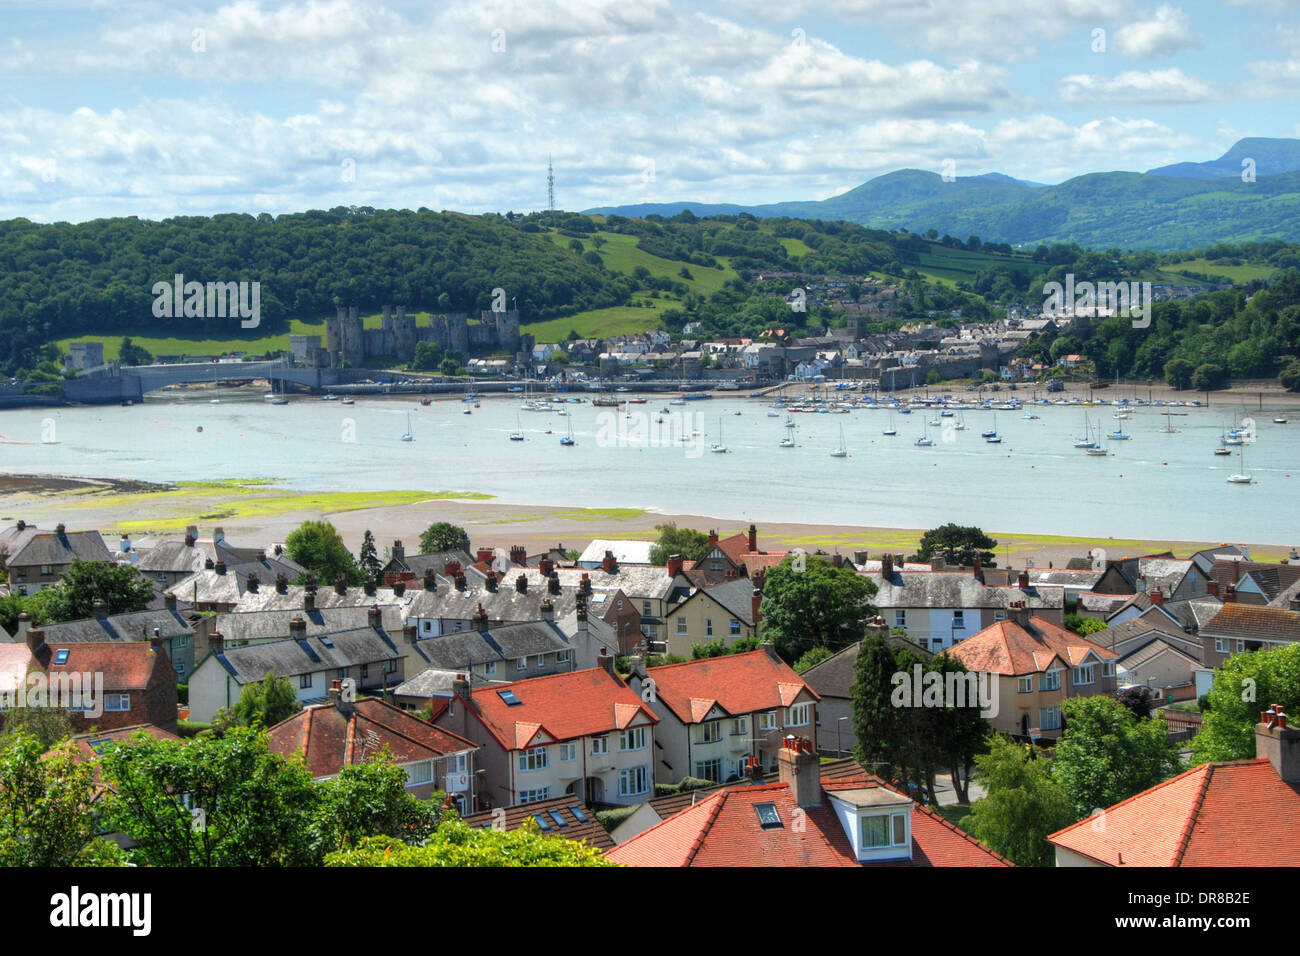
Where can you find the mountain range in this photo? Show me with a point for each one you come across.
(1181, 206)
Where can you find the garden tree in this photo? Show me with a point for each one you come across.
(319, 548)
(1083, 626)
(449, 367)
(1106, 754)
(265, 703)
(49, 725)
(1178, 372)
(1023, 804)
(258, 808)
(877, 723)
(455, 843)
(957, 545)
(1245, 685)
(11, 605)
(428, 357)
(1290, 377)
(1136, 700)
(46, 807)
(808, 602)
(958, 731)
(85, 584)
(811, 658)
(368, 558)
(1208, 377)
(371, 798)
(692, 545)
(443, 536)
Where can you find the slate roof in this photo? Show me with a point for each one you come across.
(176, 557)
(463, 649)
(1194, 612)
(1254, 622)
(835, 676)
(582, 829)
(1273, 579)
(437, 682)
(33, 546)
(288, 658)
(1152, 625)
(331, 739)
(505, 605)
(735, 596)
(435, 561)
(1217, 814)
(738, 683)
(1164, 573)
(238, 625)
(957, 589)
(136, 626)
(1153, 649)
(1007, 649)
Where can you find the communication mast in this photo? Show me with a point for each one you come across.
(550, 184)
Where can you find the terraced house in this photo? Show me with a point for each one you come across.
(34, 559)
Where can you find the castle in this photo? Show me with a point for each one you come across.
(348, 341)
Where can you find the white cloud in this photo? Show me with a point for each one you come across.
(1167, 33)
(1135, 86)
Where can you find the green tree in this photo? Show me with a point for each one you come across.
(1178, 372)
(808, 602)
(85, 584)
(131, 354)
(957, 545)
(265, 703)
(1106, 754)
(371, 799)
(877, 723)
(1083, 626)
(319, 548)
(46, 807)
(455, 843)
(811, 658)
(428, 357)
(1245, 685)
(368, 559)
(1022, 807)
(443, 536)
(1209, 377)
(449, 367)
(1290, 377)
(692, 545)
(49, 725)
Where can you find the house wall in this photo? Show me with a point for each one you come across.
(835, 735)
(698, 611)
(211, 688)
(1164, 670)
(1066, 857)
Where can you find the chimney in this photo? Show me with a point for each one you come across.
(636, 663)
(461, 687)
(1279, 743)
(35, 638)
(309, 600)
(344, 707)
(753, 539)
(674, 565)
(22, 525)
(298, 629)
(253, 583)
(608, 564)
(887, 567)
(156, 642)
(553, 583)
(1212, 587)
(730, 575)
(191, 535)
(755, 601)
(99, 610)
(399, 552)
(216, 643)
(521, 584)
(341, 584)
(1018, 614)
(582, 617)
(480, 620)
(518, 554)
(374, 617)
(430, 580)
(218, 535)
(61, 530)
(1157, 596)
(938, 563)
(546, 566)
(1023, 580)
(261, 557)
(1230, 594)
(399, 588)
(713, 538)
(169, 599)
(282, 583)
(409, 633)
(485, 555)
(585, 586)
(220, 567)
(606, 661)
(125, 544)
(548, 610)
(451, 568)
(208, 565)
(491, 582)
(977, 569)
(460, 580)
(801, 770)
(369, 587)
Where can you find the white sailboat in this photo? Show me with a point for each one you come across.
(841, 451)
(518, 433)
(718, 447)
(567, 441)
(1241, 478)
(409, 434)
(891, 431)
(788, 440)
(1086, 441)
(924, 441)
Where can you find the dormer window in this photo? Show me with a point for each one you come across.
(883, 830)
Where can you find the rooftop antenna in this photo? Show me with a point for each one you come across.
(550, 184)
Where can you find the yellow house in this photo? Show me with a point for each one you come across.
(726, 612)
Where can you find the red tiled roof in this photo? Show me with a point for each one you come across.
(1009, 649)
(125, 665)
(1217, 814)
(738, 683)
(331, 740)
(15, 661)
(564, 706)
(567, 808)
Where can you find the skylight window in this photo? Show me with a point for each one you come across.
(509, 697)
(559, 820)
(61, 657)
(768, 817)
(578, 814)
(327, 642)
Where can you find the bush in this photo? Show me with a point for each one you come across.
(610, 819)
(183, 694)
(191, 728)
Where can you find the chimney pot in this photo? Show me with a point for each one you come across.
(399, 588)
(753, 539)
(887, 567)
(374, 617)
(169, 601)
(253, 583)
(800, 769)
(521, 584)
(341, 584)
(308, 601)
(674, 565)
(297, 629)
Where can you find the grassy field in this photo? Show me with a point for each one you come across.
(1214, 267)
(950, 266)
(598, 323)
(620, 254)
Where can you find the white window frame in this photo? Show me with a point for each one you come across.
(1084, 675)
(563, 657)
(521, 664)
(117, 703)
(683, 628)
(893, 838)
(1049, 718)
(900, 618)
(739, 726)
(419, 773)
(1050, 680)
(490, 669)
(767, 720)
(710, 732)
(1025, 685)
(533, 759)
(541, 660)
(699, 772)
(1107, 668)
(1221, 645)
(568, 752)
(600, 745)
(633, 781)
(735, 628)
(799, 715)
(634, 738)
(534, 796)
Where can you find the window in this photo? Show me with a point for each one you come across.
(1221, 645)
(563, 657)
(390, 666)
(633, 739)
(418, 773)
(768, 817)
(999, 615)
(958, 619)
(1049, 718)
(681, 625)
(798, 715)
(541, 660)
(1050, 681)
(535, 796)
(709, 733)
(117, 702)
(884, 830)
(633, 782)
(708, 627)
(521, 664)
(458, 763)
(740, 727)
(709, 769)
(600, 745)
(767, 720)
(1241, 646)
(490, 669)
(342, 674)
(1024, 685)
(304, 681)
(645, 608)
(1108, 669)
(1085, 674)
(900, 619)
(937, 643)
(180, 667)
(568, 752)
(735, 628)
(61, 656)
(534, 759)
(47, 569)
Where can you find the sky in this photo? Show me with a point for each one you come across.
(169, 109)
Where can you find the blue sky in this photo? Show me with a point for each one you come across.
(163, 109)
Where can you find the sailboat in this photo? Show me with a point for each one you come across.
(718, 446)
(1095, 449)
(409, 434)
(992, 436)
(567, 440)
(1241, 478)
(924, 441)
(518, 433)
(1169, 428)
(891, 431)
(960, 424)
(1087, 440)
(788, 440)
(841, 451)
